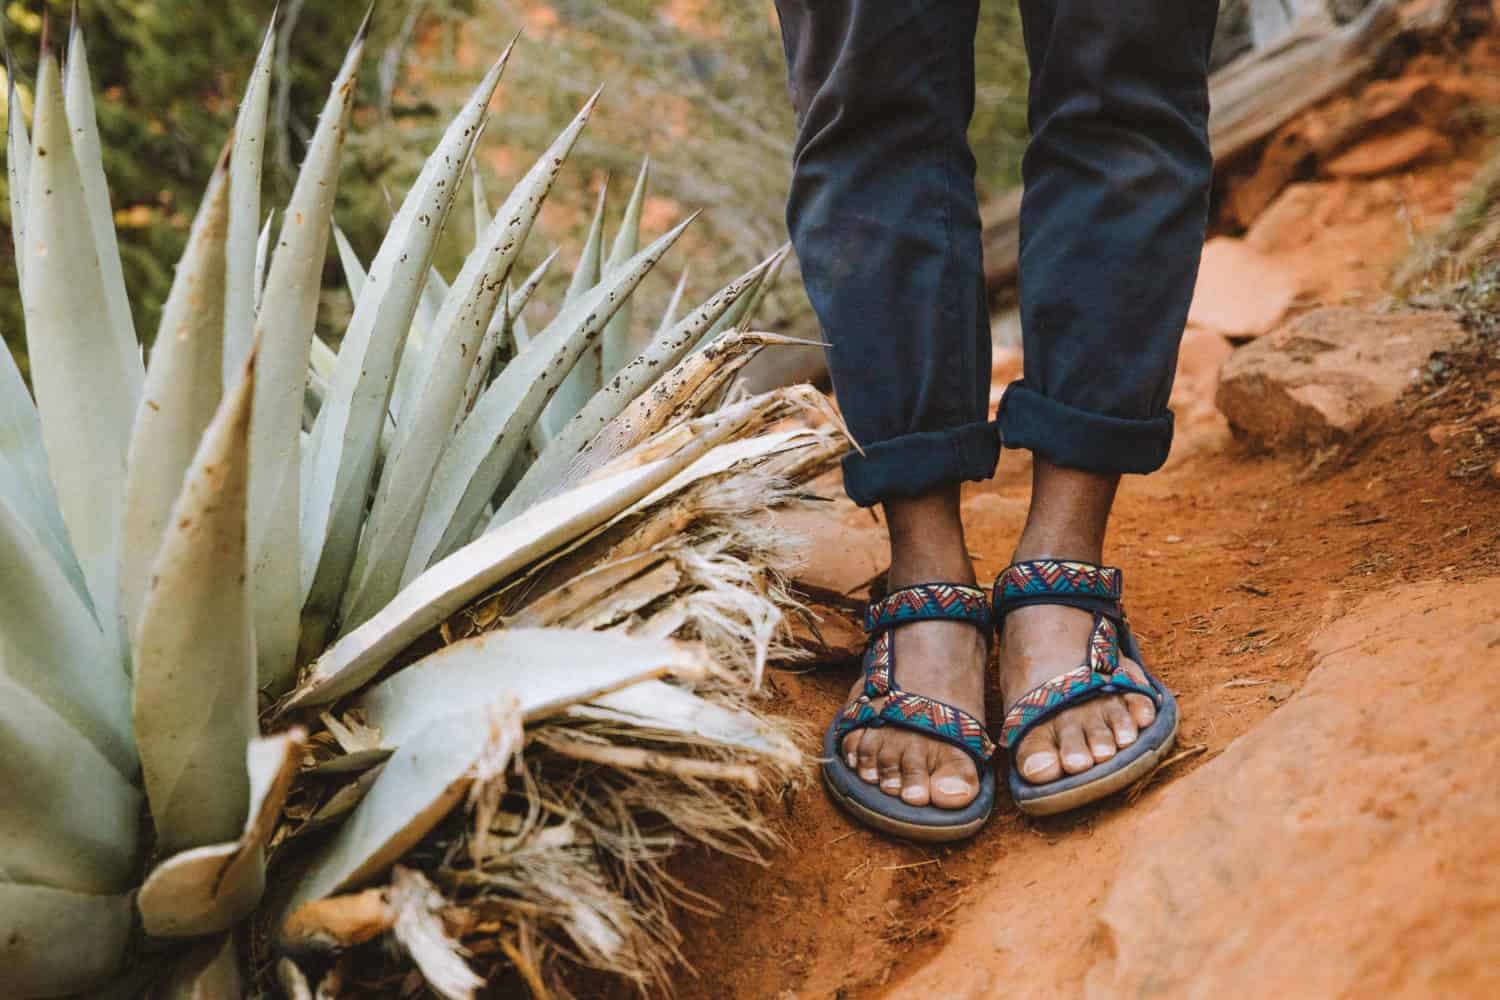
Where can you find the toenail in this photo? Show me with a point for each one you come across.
(1104, 749)
(853, 760)
(1037, 763)
(869, 774)
(1126, 738)
(953, 786)
(1078, 760)
(892, 785)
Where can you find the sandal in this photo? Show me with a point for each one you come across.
(906, 710)
(1096, 589)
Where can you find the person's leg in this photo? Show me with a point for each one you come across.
(1112, 226)
(885, 220)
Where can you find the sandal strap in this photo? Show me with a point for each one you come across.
(1102, 673)
(929, 602)
(1059, 581)
(920, 714)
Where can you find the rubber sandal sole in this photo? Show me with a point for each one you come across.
(1157, 741)
(859, 800)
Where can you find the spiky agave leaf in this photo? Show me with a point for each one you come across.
(445, 588)
(78, 352)
(181, 393)
(338, 468)
(664, 352)
(669, 314)
(615, 346)
(241, 275)
(17, 166)
(583, 378)
(55, 942)
(476, 460)
(284, 331)
(208, 889)
(192, 726)
(432, 413)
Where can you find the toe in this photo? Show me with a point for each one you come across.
(1073, 745)
(1142, 709)
(1120, 722)
(1101, 739)
(868, 768)
(888, 763)
(1037, 756)
(914, 776)
(955, 780)
(850, 749)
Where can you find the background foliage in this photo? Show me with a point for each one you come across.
(697, 84)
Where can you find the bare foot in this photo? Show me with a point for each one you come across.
(941, 660)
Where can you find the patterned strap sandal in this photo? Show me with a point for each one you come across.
(906, 710)
(1095, 589)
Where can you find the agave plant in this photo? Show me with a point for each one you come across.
(299, 605)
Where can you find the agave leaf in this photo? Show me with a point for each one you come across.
(192, 725)
(77, 353)
(583, 379)
(51, 645)
(661, 707)
(740, 311)
(477, 458)
(263, 259)
(517, 300)
(242, 273)
(182, 392)
(432, 413)
(55, 942)
(354, 271)
(210, 971)
(25, 483)
(323, 358)
(778, 261)
(664, 352)
(543, 670)
(447, 587)
(209, 889)
(79, 100)
(669, 315)
(70, 820)
(347, 434)
(417, 787)
(18, 168)
(615, 345)
(482, 213)
(284, 329)
(583, 591)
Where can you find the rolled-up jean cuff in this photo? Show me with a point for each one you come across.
(914, 464)
(1078, 439)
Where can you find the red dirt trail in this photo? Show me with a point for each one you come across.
(1234, 562)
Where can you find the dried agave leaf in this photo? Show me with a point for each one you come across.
(542, 670)
(338, 922)
(629, 598)
(664, 352)
(209, 889)
(54, 942)
(429, 775)
(242, 275)
(70, 819)
(77, 352)
(192, 726)
(419, 930)
(659, 707)
(477, 458)
(430, 415)
(51, 645)
(79, 100)
(583, 378)
(338, 469)
(615, 346)
(181, 393)
(343, 801)
(284, 330)
(583, 591)
(211, 971)
(25, 483)
(440, 592)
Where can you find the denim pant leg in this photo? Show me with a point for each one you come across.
(885, 220)
(1112, 225)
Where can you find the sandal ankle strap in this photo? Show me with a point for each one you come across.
(929, 602)
(1059, 581)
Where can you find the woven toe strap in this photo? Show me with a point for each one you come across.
(1102, 673)
(920, 714)
(929, 602)
(1058, 581)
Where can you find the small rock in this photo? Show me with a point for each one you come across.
(1323, 377)
(1387, 153)
(1441, 434)
(1241, 292)
(1173, 539)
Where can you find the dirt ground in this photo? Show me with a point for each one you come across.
(1234, 562)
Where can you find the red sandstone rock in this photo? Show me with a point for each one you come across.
(1322, 378)
(1241, 292)
(1387, 153)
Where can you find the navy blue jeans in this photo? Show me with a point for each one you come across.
(885, 219)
